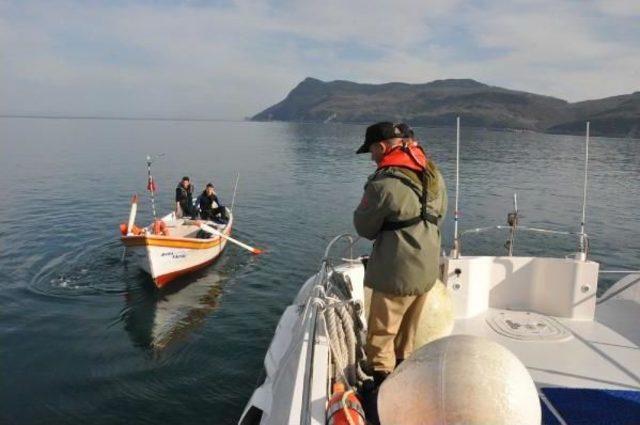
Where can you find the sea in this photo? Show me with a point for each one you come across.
(86, 338)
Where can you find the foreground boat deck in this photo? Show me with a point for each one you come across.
(585, 367)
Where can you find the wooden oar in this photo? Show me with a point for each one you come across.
(213, 231)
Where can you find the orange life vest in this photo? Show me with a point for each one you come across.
(410, 155)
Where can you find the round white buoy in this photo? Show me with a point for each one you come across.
(436, 319)
(460, 379)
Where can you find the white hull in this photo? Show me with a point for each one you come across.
(165, 258)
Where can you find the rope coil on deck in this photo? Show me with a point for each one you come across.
(343, 329)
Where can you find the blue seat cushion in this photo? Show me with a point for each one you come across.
(579, 406)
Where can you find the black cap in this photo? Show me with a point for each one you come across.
(407, 132)
(378, 132)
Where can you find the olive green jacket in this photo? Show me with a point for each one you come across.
(406, 261)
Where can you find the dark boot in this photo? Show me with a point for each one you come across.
(379, 376)
(369, 394)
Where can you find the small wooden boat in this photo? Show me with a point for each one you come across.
(174, 246)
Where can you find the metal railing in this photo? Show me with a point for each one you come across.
(581, 236)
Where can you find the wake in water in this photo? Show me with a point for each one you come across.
(93, 269)
(68, 281)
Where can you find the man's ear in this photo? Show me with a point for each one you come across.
(383, 146)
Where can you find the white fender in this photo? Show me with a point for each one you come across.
(460, 379)
(437, 317)
(132, 213)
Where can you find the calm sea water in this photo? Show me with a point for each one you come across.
(86, 338)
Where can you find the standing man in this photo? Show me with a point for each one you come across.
(184, 198)
(403, 205)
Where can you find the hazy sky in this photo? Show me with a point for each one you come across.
(229, 59)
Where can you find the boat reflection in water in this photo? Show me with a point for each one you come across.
(156, 319)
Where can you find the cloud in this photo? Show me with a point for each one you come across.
(231, 59)
(619, 8)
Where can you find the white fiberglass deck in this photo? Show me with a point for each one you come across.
(595, 356)
(599, 347)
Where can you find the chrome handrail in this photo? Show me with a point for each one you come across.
(583, 237)
(606, 296)
(530, 229)
(305, 414)
(327, 250)
(620, 271)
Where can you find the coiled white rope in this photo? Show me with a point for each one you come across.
(341, 329)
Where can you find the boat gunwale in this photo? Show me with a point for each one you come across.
(173, 241)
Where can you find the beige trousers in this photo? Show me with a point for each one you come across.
(393, 321)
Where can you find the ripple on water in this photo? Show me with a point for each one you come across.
(91, 269)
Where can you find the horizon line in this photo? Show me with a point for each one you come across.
(117, 118)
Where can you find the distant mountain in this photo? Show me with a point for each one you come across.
(612, 116)
(439, 102)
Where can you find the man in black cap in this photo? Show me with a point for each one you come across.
(403, 204)
(379, 132)
(184, 198)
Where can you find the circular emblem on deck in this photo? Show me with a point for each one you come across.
(527, 326)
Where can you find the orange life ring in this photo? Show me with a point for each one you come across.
(160, 228)
(135, 230)
(344, 407)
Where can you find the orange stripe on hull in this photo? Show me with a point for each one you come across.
(168, 242)
(164, 242)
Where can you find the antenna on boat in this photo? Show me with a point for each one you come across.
(235, 188)
(582, 249)
(512, 221)
(151, 187)
(455, 253)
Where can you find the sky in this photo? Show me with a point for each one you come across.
(231, 59)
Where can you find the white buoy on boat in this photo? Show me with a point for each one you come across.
(460, 379)
(132, 213)
(436, 319)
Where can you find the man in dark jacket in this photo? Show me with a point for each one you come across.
(403, 205)
(209, 205)
(184, 198)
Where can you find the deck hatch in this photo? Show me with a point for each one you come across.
(526, 326)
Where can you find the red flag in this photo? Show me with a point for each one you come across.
(151, 186)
